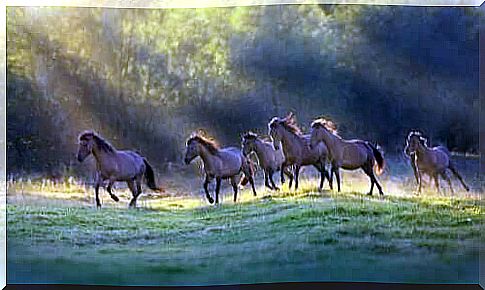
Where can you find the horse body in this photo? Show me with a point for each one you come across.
(219, 163)
(227, 163)
(434, 161)
(115, 165)
(297, 150)
(269, 158)
(347, 154)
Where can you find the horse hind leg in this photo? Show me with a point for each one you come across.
(436, 182)
(248, 173)
(446, 177)
(369, 171)
(132, 187)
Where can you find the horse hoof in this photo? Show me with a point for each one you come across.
(276, 188)
(370, 193)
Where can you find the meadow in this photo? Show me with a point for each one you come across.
(56, 235)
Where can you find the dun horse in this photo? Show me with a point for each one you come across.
(347, 154)
(115, 165)
(219, 163)
(296, 148)
(269, 158)
(434, 161)
(412, 158)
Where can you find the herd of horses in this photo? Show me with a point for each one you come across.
(285, 151)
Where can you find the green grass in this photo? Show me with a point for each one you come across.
(289, 236)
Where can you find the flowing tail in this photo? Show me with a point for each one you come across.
(455, 172)
(379, 158)
(150, 177)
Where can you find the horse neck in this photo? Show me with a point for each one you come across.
(331, 140)
(206, 156)
(421, 150)
(102, 157)
(259, 148)
(262, 151)
(290, 139)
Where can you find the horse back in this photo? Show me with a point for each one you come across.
(230, 161)
(129, 162)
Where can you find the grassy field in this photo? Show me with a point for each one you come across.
(57, 236)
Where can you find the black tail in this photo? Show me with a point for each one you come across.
(455, 172)
(150, 177)
(379, 158)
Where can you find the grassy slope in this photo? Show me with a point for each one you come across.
(286, 237)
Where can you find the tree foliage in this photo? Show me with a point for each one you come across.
(145, 78)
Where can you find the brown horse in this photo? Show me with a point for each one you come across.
(347, 154)
(269, 158)
(219, 163)
(434, 161)
(296, 148)
(412, 158)
(115, 165)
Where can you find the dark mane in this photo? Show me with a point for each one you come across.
(327, 124)
(250, 135)
(210, 144)
(100, 142)
(420, 136)
(288, 122)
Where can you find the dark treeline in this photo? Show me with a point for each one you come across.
(145, 79)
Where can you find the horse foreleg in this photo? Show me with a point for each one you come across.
(420, 180)
(297, 174)
(288, 173)
(329, 177)
(218, 188)
(266, 180)
(251, 180)
(206, 189)
(270, 173)
(113, 196)
(335, 170)
(234, 187)
(283, 172)
(96, 189)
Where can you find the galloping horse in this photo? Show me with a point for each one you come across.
(219, 163)
(412, 158)
(434, 161)
(347, 154)
(115, 165)
(269, 158)
(296, 148)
